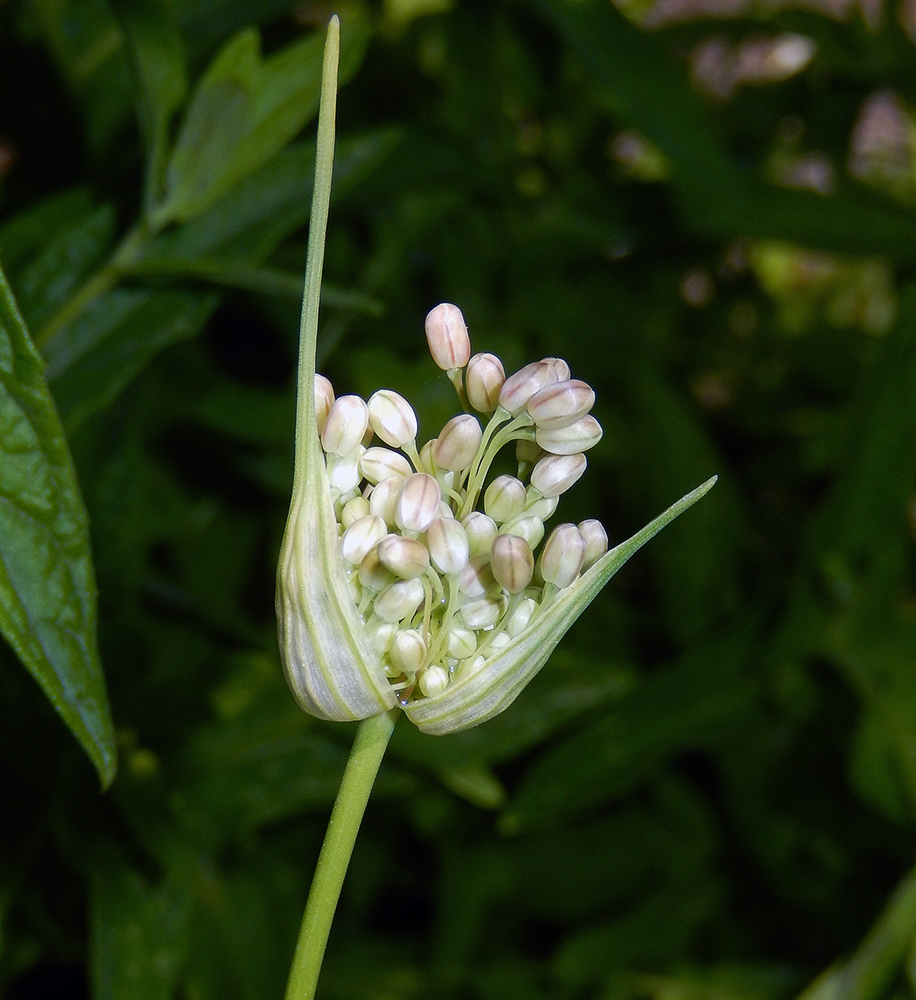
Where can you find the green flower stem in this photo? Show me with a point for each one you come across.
(362, 767)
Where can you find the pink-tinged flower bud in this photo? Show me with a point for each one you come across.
(504, 499)
(595, 541)
(324, 399)
(481, 531)
(448, 545)
(559, 367)
(457, 444)
(561, 404)
(554, 474)
(484, 379)
(399, 600)
(343, 473)
(523, 613)
(418, 502)
(345, 426)
(447, 335)
(585, 433)
(361, 537)
(372, 574)
(483, 611)
(527, 526)
(462, 643)
(408, 651)
(405, 557)
(520, 387)
(383, 499)
(563, 555)
(392, 418)
(434, 680)
(476, 578)
(512, 563)
(378, 463)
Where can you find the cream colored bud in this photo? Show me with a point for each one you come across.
(427, 462)
(448, 545)
(595, 541)
(381, 635)
(527, 526)
(504, 499)
(399, 600)
(372, 574)
(585, 433)
(481, 530)
(523, 613)
(384, 498)
(561, 404)
(418, 502)
(521, 386)
(447, 336)
(559, 367)
(434, 680)
(361, 537)
(512, 563)
(343, 473)
(324, 399)
(353, 510)
(458, 442)
(405, 557)
(541, 507)
(484, 379)
(408, 651)
(345, 425)
(392, 418)
(555, 474)
(483, 612)
(563, 555)
(378, 463)
(462, 643)
(476, 577)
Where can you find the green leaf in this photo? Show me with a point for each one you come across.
(47, 583)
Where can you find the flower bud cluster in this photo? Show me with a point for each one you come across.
(441, 556)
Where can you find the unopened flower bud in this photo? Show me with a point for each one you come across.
(392, 418)
(448, 545)
(405, 557)
(378, 463)
(353, 510)
(563, 555)
(504, 499)
(541, 507)
(527, 526)
(462, 643)
(554, 474)
(483, 611)
(324, 399)
(345, 425)
(561, 404)
(447, 335)
(408, 651)
(399, 600)
(484, 378)
(434, 680)
(361, 537)
(523, 613)
(381, 635)
(476, 577)
(595, 541)
(372, 574)
(512, 563)
(585, 433)
(343, 472)
(528, 452)
(521, 386)
(458, 441)
(559, 367)
(418, 502)
(384, 498)
(481, 530)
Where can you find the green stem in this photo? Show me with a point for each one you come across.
(365, 757)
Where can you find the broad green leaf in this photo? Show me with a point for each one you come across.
(47, 583)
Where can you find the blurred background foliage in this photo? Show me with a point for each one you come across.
(709, 209)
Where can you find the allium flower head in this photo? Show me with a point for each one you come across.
(412, 575)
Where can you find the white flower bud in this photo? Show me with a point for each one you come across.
(447, 335)
(555, 474)
(523, 613)
(448, 545)
(434, 680)
(559, 367)
(405, 557)
(483, 611)
(527, 526)
(324, 399)
(462, 643)
(408, 651)
(427, 462)
(521, 386)
(541, 507)
(372, 574)
(458, 441)
(381, 635)
(476, 577)
(353, 510)
(343, 472)
(595, 541)
(564, 552)
(481, 530)
(504, 499)
(378, 463)
(392, 418)
(484, 378)
(512, 563)
(399, 600)
(585, 433)
(418, 502)
(345, 425)
(561, 404)
(361, 537)
(383, 499)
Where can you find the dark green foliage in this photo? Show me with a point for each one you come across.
(710, 792)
